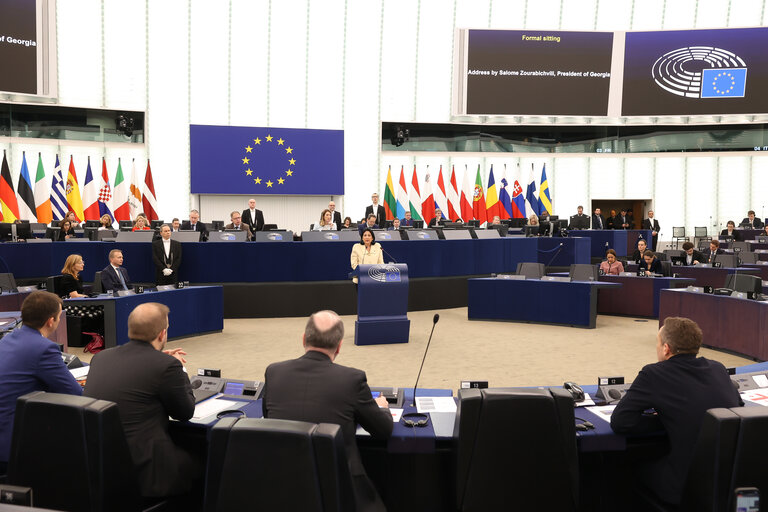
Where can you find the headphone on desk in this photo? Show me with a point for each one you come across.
(420, 420)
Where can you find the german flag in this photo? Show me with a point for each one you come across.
(9, 207)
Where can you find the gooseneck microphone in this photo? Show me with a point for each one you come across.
(388, 255)
(434, 323)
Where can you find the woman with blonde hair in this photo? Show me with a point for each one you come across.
(141, 224)
(71, 283)
(326, 222)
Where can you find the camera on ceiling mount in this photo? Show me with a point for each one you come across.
(400, 135)
(124, 125)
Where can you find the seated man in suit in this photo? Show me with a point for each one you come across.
(29, 362)
(312, 388)
(730, 230)
(710, 254)
(680, 388)
(175, 225)
(370, 223)
(407, 220)
(580, 220)
(752, 222)
(395, 225)
(148, 383)
(114, 276)
(335, 216)
(194, 224)
(692, 256)
(637, 256)
(238, 225)
(166, 255)
(253, 217)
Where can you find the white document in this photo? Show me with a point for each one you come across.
(79, 373)
(213, 406)
(602, 411)
(587, 402)
(396, 414)
(761, 380)
(756, 396)
(426, 404)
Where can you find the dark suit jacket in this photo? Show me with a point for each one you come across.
(63, 234)
(597, 223)
(697, 256)
(28, 362)
(337, 220)
(200, 226)
(381, 215)
(711, 257)
(255, 224)
(312, 388)
(406, 222)
(647, 225)
(655, 266)
(148, 386)
(680, 389)
(618, 221)
(579, 221)
(757, 224)
(435, 221)
(244, 227)
(636, 256)
(110, 281)
(735, 234)
(173, 261)
(361, 227)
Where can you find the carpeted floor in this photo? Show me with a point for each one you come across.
(505, 354)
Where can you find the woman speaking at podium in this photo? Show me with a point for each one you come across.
(367, 252)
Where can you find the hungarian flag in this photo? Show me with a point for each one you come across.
(428, 204)
(492, 200)
(390, 203)
(27, 208)
(122, 207)
(9, 208)
(134, 192)
(74, 199)
(42, 194)
(478, 199)
(453, 197)
(149, 201)
(105, 192)
(414, 197)
(467, 192)
(90, 195)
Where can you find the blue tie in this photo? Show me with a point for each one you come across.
(120, 276)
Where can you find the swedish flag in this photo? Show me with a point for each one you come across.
(723, 83)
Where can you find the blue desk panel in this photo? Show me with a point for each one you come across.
(620, 240)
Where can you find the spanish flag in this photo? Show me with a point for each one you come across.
(74, 199)
(9, 207)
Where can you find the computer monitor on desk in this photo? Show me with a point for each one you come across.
(22, 231)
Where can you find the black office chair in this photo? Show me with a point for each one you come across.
(678, 235)
(92, 224)
(217, 225)
(270, 227)
(316, 479)
(97, 287)
(674, 253)
(583, 272)
(727, 260)
(744, 283)
(708, 485)
(72, 452)
(666, 268)
(751, 451)
(741, 246)
(531, 270)
(747, 258)
(7, 282)
(125, 225)
(52, 233)
(53, 284)
(662, 256)
(516, 447)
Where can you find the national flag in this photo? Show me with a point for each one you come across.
(492, 206)
(390, 203)
(74, 199)
(478, 199)
(414, 197)
(120, 201)
(428, 203)
(454, 206)
(105, 192)
(58, 192)
(90, 195)
(402, 195)
(150, 201)
(518, 202)
(467, 192)
(545, 203)
(134, 192)
(508, 209)
(9, 208)
(531, 200)
(27, 208)
(440, 200)
(42, 194)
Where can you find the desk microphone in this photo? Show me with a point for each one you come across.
(555, 256)
(434, 323)
(388, 255)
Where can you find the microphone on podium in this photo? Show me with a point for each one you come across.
(388, 255)
(434, 323)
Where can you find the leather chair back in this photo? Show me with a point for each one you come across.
(97, 287)
(7, 282)
(72, 452)
(515, 446)
(53, 284)
(744, 283)
(583, 272)
(751, 451)
(531, 270)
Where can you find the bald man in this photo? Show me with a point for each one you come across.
(312, 388)
(149, 384)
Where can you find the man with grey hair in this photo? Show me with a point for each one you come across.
(680, 388)
(194, 224)
(314, 389)
(166, 255)
(148, 383)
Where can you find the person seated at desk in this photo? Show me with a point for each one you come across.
(730, 230)
(711, 254)
(680, 388)
(326, 222)
(533, 228)
(637, 256)
(106, 222)
(140, 224)
(395, 225)
(407, 220)
(370, 223)
(347, 223)
(72, 218)
(194, 224)
(367, 252)
(67, 231)
(438, 219)
(692, 256)
(765, 231)
(611, 266)
(237, 224)
(751, 222)
(71, 285)
(580, 220)
(315, 389)
(650, 264)
(114, 277)
(175, 225)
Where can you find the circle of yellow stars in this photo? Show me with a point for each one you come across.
(723, 90)
(257, 180)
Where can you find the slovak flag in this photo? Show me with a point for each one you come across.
(518, 201)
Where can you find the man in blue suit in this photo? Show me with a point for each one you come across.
(114, 276)
(31, 362)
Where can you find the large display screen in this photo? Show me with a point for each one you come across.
(696, 72)
(513, 72)
(18, 46)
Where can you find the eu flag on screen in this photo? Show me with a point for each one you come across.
(723, 82)
(264, 160)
